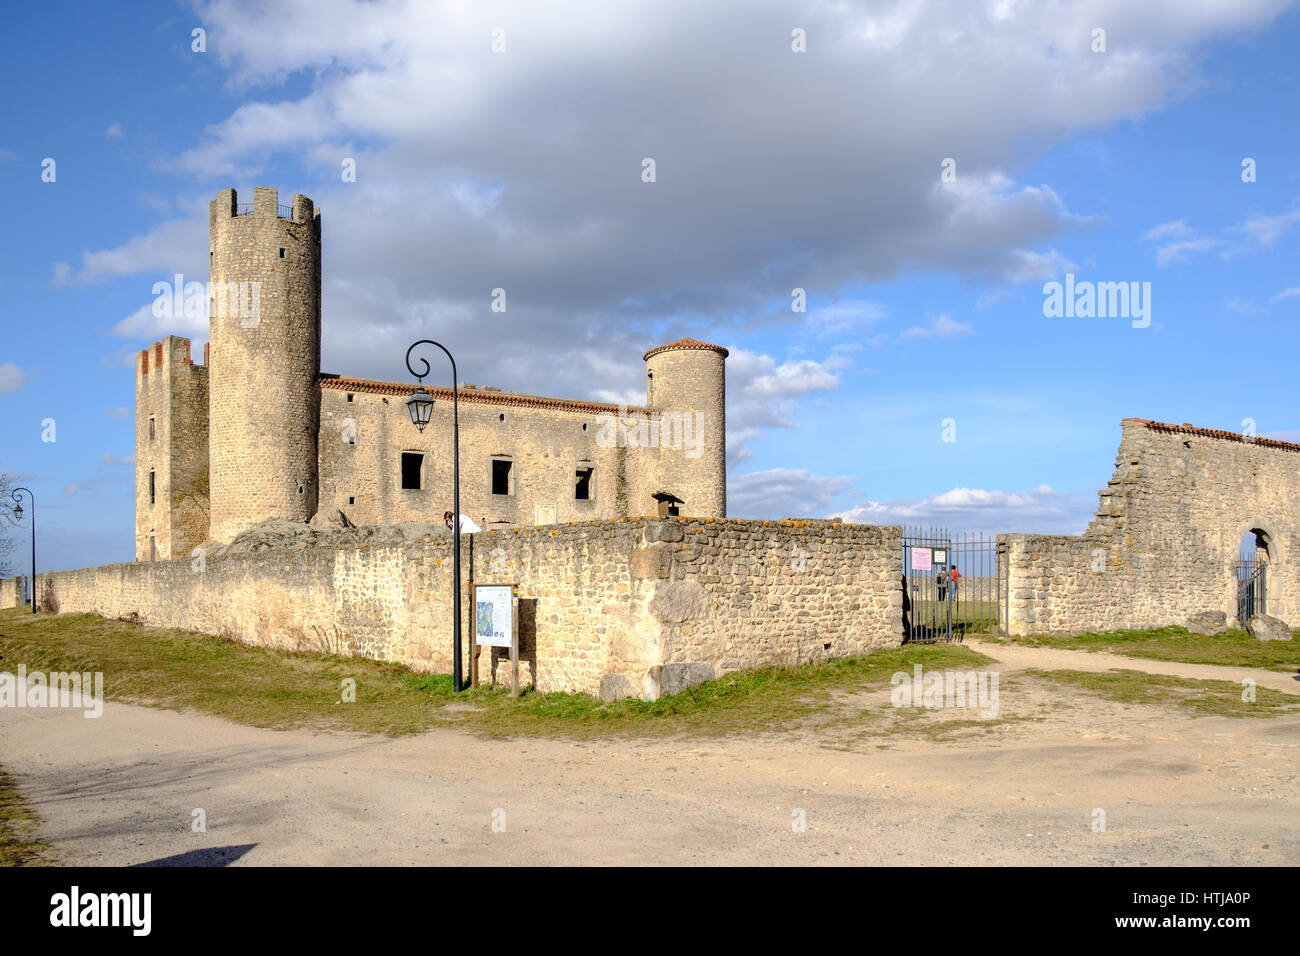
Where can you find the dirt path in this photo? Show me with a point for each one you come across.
(1175, 789)
(1019, 657)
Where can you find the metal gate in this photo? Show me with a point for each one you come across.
(953, 585)
(1251, 591)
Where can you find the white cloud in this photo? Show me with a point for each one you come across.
(941, 328)
(1242, 306)
(522, 170)
(177, 245)
(1266, 230)
(118, 459)
(1176, 229)
(143, 324)
(114, 131)
(1289, 293)
(783, 493)
(762, 394)
(12, 378)
(1041, 510)
(120, 411)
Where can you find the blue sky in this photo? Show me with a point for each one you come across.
(521, 169)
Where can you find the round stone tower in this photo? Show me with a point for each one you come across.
(264, 360)
(686, 384)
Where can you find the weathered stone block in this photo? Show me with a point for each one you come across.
(1265, 628)
(1211, 623)
(674, 678)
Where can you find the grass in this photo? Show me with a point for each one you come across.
(266, 688)
(1203, 698)
(1232, 649)
(18, 847)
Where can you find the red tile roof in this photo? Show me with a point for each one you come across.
(1186, 429)
(476, 395)
(685, 344)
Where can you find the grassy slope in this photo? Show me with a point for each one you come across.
(266, 688)
(1233, 649)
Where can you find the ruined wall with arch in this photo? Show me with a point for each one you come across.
(1165, 540)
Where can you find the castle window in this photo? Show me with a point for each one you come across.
(501, 483)
(152, 488)
(281, 253)
(352, 500)
(153, 430)
(153, 548)
(350, 396)
(412, 470)
(584, 488)
(501, 417)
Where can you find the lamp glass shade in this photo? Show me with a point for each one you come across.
(18, 512)
(420, 405)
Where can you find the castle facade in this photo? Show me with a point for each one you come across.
(257, 432)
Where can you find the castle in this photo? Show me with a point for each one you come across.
(257, 432)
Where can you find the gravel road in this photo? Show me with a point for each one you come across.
(1175, 789)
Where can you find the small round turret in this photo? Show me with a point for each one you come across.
(686, 384)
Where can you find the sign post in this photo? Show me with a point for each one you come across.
(496, 623)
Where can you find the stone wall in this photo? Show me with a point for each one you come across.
(1165, 540)
(171, 444)
(366, 428)
(13, 592)
(263, 368)
(642, 606)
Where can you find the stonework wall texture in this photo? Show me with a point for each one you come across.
(616, 608)
(171, 443)
(265, 404)
(692, 382)
(13, 592)
(1165, 540)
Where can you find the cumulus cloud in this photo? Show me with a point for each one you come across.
(762, 393)
(1041, 510)
(522, 170)
(783, 493)
(143, 324)
(1178, 242)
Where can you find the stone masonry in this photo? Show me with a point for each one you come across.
(257, 433)
(13, 592)
(616, 608)
(1165, 540)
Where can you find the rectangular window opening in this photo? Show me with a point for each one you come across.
(153, 428)
(412, 471)
(153, 488)
(584, 488)
(501, 476)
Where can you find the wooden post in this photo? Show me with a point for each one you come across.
(514, 647)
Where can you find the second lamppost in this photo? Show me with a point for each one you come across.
(420, 405)
(18, 516)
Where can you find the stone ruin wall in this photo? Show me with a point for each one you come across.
(13, 592)
(1165, 540)
(615, 608)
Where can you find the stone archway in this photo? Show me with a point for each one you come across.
(1255, 551)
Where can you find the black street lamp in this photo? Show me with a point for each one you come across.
(420, 405)
(18, 516)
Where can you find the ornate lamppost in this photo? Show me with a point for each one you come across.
(420, 405)
(18, 516)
